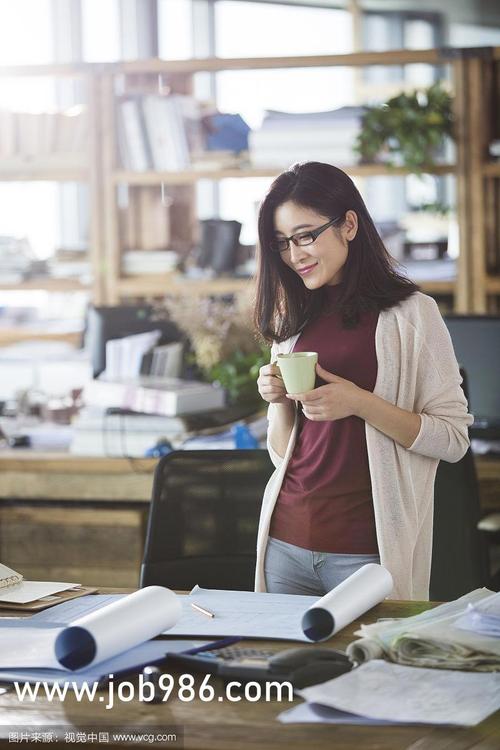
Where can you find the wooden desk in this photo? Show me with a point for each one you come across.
(221, 725)
(79, 518)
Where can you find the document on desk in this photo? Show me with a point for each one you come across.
(92, 638)
(433, 638)
(248, 614)
(251, 614)
(382, 690)
(315, 713)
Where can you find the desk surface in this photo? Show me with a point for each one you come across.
(244, 725)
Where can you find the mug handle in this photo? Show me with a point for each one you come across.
(275, 363)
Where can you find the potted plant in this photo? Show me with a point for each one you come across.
(225, 350)
(408, 130)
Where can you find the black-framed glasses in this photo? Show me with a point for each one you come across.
(300, 239)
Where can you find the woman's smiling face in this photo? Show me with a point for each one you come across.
(321, 262)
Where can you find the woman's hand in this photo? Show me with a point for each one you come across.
(336, 400)
(270, 385)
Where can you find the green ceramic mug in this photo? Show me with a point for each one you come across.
(298, 370)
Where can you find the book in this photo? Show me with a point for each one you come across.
(136, 155)
(158, 126)
(167, 396)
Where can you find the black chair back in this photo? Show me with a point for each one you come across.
(203, 519)
(459, 559)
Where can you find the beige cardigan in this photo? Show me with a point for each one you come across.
(417, 371)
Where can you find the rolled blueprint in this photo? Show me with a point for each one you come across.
(117, 627)
(353, 597)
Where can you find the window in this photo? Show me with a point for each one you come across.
(260, 30)
(175, 36)
(28, 43)
(100, 30)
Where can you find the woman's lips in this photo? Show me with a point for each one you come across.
(307, 269)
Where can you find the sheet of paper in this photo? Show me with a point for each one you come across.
(135, 658)
(314, 713)
(30, 591)
(243, 613)
(483, 617)
(91, 638)
(382, 690)
(24, 646)
(66, 612)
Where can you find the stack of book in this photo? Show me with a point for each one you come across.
(169, 397)
(43, 134)
(149, 262)
(159, 132)
(285, 137)
(128, 418)
(100, 433)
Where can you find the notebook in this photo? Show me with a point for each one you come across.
(16, 593)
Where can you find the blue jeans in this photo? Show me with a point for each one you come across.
(294, 570)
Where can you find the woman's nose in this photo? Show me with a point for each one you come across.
(297, 253)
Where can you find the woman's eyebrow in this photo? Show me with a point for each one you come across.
(294, 229)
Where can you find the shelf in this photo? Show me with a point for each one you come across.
(437, 287)
(47, 284)
(491, 169)
(216, 64)
(493, 284)
(57, 168)
(14, 335)
(189, 177)
(157, 286)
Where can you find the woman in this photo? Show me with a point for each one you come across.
(356, 457)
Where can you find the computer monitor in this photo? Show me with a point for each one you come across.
(476, 340)
(106, 323)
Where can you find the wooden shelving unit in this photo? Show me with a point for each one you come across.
(159, 285)
(179, 73)
(48, 284)
(475, 84)
(193, 176)
(65, 167)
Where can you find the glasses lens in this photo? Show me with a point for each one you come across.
(304, 239)
(279, 245)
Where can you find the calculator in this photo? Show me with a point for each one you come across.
(231, 662)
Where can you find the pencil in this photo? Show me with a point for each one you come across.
(202, 610)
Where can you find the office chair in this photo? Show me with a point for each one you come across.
(202, 526)
(459, 553)
(459, 556)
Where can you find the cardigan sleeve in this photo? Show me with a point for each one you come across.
(271, 410)
(439, 400)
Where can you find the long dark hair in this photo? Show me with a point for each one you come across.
(370, 280)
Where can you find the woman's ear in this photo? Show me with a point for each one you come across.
(350, 225)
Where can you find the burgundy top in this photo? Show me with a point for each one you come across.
(325, 502)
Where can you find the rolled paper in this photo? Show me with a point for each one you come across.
(117, 627)
(363, 650)
(367, 587)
